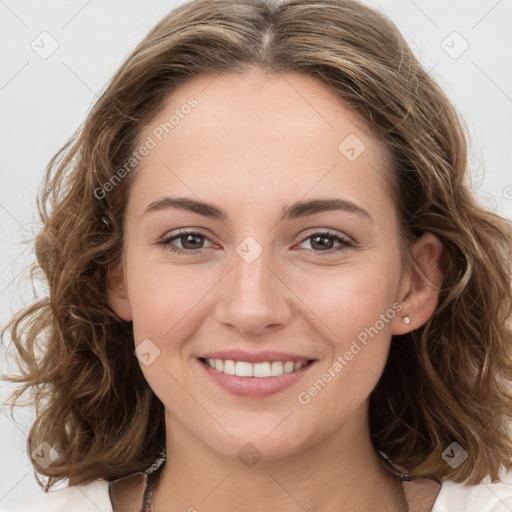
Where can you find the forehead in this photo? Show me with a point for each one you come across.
(262, 134)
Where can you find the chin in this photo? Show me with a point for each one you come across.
(256, 444)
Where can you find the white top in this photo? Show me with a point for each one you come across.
(94, 497)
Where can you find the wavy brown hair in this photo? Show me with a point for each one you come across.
(446, 381)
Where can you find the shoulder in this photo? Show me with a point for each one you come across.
(484, 497)
(91, 497)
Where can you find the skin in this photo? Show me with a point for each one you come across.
(255, 144)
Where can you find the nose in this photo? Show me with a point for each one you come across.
(254, 297)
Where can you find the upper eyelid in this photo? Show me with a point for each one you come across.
(177, 234)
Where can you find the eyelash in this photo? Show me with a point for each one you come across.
(166, 242)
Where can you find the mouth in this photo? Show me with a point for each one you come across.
(258, 370)
(255, 380)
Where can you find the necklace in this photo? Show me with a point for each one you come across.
(151, 481)
(154, 472)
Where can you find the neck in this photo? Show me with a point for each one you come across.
(342, 472)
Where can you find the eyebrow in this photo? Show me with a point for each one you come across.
(294, 211)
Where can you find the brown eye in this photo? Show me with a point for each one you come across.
(324, 242)
(191, 242)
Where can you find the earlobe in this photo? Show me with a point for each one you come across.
(424, 283)
(117, 294)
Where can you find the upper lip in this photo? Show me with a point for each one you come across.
(254, 357)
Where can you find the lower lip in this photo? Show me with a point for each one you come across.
(255, 387)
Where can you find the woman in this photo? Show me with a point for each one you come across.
(270, 287)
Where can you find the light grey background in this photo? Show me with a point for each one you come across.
(43, 100)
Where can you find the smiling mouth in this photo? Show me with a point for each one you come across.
(263, 369)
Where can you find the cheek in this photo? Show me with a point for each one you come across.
(339, 308)
(166, 297)
(356, 308)
(163, 295)
(169, 301)
(350, 300)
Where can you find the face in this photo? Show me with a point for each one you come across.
(251, 278)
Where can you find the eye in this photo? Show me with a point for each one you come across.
(191, 242)
(324, 241)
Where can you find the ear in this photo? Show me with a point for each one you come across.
(117, 294)
(421, 288)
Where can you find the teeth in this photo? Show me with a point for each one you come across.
(263, 369)
(244, 369)
(276, 368)
(229, 367)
